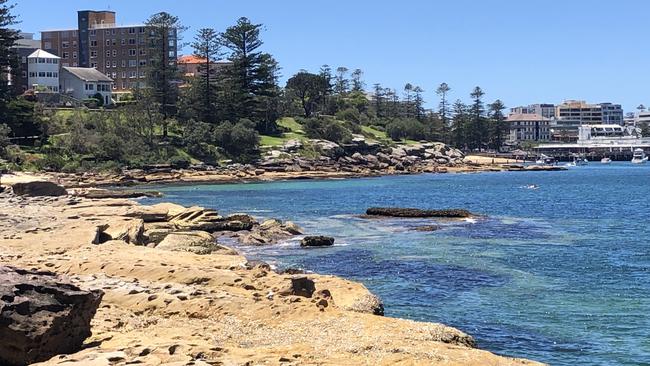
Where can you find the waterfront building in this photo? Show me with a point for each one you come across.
(575, 112)
(528, 127)
(544, 110)
(43, 71)
(24, 46)
(86, 82)
(118, 51)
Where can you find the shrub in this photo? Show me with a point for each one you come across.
(327, 128)
(239, 141)
(4, 138)
(406, 129)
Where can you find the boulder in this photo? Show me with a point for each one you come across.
(197, 242)
(41, 316)
(129, 230)
(417, 213)
(317, 241)
(35, 189)
(299, 286)
(148, 213)
(292, 146)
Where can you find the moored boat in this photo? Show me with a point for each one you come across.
(639, 157)
(606, 161)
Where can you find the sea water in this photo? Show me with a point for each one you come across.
(557, 270)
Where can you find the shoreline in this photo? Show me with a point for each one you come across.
(263, 326)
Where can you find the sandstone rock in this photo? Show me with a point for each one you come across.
(129, 230)
(42, 316)
(104, 193)
(317, 241)
(156, 235)
(37, 188)
(417, 213)
(197, 242)
(148, 213)
(370, 304)
(292, 228)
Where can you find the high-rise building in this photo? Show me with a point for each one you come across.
(118, 51)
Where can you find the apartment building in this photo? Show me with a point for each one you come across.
(43, 71)
(528, 127)
(118, 51)
(576, 113)
(544, 110)
(24, 46)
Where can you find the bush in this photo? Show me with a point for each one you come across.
(407, 129)
(327, 128)
(180, 162)
(4, 139)
(239, 141)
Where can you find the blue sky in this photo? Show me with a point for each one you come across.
(521, 51)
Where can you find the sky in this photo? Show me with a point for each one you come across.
(519, 51)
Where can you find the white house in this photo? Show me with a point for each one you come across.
(83, 82)
(43, 70)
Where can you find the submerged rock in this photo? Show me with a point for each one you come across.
(417, 213)
(317, 241)
(42, 316)
(35, 189)
(426, 228)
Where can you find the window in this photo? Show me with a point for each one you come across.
(90, 86)
(132, 74)
(114, 86)
(123, 63)
(48, 45)
(114, 63)
(108, 32)
(114, 53)
(74, 43)
(131, 40)
(93, 32)
(114, 42)
(132, 52)
(143, 62)
(142, 74)
(66, 55)
(113, 31)
(142, 52)
(65, 44)
(93, 64)
(74, 55)
(32, 74)
(108, 53)
(122, 31)
(113, 75)
(133, 63)
(123, 41)
(123, 84)
(108, 64)
(123, 74)
(108, 42)
(48, 74)
(41, 74)
(131, 30)
(93, 54)
(141, 30)
(93, 43)
(55, 74)
(55, 61)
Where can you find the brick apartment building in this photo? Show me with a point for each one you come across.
(118, 51)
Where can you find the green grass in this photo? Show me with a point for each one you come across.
(295, 134)
(376, 134)
(291, 124)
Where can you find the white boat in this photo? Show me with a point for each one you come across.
(581, 162)
(606, 160)
(639, 157)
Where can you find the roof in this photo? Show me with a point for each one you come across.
(193, 59)
(39, 53)
(87, 73)
(526, 117)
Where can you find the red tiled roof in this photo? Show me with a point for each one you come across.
(190, 59)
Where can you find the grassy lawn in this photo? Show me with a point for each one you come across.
(291, 124)
(376, 134)
(295, 134)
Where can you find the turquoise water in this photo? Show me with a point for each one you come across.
(559, 274)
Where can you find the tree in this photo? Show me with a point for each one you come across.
(4, 138)
(477, 130)
(408, 89)
(162, 72)
(309, 88)
(8, 58)
(341, 83)
(460, 125)
(357, 82)
(418, 103)
(207, 48)
(443, 108)
(252, 87)
(378, 99)
(239, 141)
(497, 128)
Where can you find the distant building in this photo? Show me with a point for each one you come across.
(118, 51)
(190, 66)
(528, 127)
(544, 110)
(573, 112)
(43, 71)
(24, 46)
(85, 82)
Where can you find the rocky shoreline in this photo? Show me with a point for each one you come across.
(331, 161)
(175, 296)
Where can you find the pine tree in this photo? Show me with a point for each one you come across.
(443, 108)
(341, 84)
(460, 125)
(408, 89)
(418, 103)
(8, 57)
(378, 99)
(357, 82)
(497, 121)
(478, 130)
(162, 72)
(207, 48)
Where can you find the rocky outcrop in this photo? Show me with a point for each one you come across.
(269, 232)
(105, 193)
(299, 286)
(417, 213)
(197, 242)
(317, 241)
(37, 188)
(42, 316)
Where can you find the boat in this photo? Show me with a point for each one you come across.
(639, 157)
(545, 160)
(581, 162)
(606, 160)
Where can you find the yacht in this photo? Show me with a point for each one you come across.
(606, 161)
(639, 157)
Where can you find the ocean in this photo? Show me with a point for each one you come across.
(556, 269)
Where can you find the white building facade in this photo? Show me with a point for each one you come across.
(43, 71)
(84, 82)
(528, 127)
